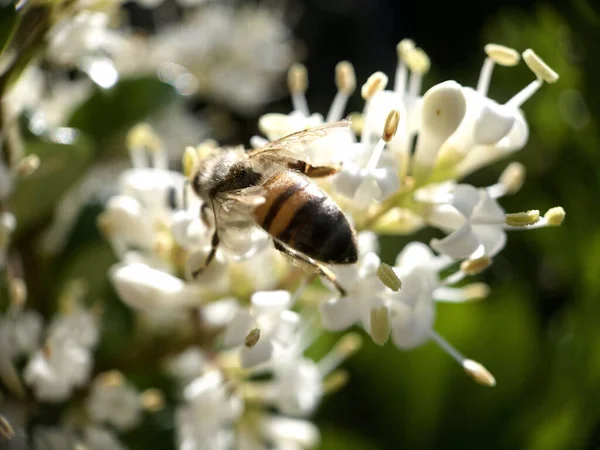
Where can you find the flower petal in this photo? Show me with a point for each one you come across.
(459, 244)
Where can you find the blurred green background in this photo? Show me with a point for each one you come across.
(538, 331)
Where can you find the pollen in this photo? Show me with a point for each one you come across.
(374, 84)
(522, 218)
(504, 56)
(298, 79)
(539, 67)
(345, 78)
(555, 216)
(142, 136)
(388, 277)
(391, 125)
(475, 266)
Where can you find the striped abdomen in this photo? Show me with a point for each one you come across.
(302, 216)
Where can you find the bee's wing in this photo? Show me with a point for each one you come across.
(291, 147)
(236, 205)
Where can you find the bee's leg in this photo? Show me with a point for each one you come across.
(315, 171)
(306, 260)
(211, 255)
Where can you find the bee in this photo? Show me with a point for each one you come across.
(272, 187)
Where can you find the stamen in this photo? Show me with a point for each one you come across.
(6, 430)
(111, 378)
(252, 338)
(496, 54)
(505, 56)
(335, 381)
(391, 125)
(479, 373)
(447, 347)
(17, 292)
(189, 161)
(419, 64)
(142, 138)
(389, 130)
(475, 266)
(374, 84)
(380, 325)
(404, 47)
(521, 219)
(539, 67)
(152, 400)
(28, 165)
(298, 84)
(468, 293)
(388, 277)
(345, 80)
(345, 347)
(525, 94)
(512, 178)
(555, 216)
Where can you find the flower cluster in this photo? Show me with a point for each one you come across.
(163, 232)
(193, 266)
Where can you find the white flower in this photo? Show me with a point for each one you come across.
(49, 438)
(298, 386)
(189, 364)
(98, 438)
(145, 288)
(271, 315)
(79, 327)
(21, 333)
(204, 422)
(365, 290)
(229, 53)
(114, 402)
(56, 370)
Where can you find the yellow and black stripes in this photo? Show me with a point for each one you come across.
(303, 217)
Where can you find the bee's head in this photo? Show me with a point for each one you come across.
(210, 167)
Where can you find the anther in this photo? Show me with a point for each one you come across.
(189, 161)
(17, 292)
(388, 277)
(28, 165)
(335, 381)
(513, 177)
(391, 125)
(539, 67)
(521, 219)
(6, 430)
(501, 55)
(555, 216)
(475, 266)
(404, 47)
(111, 378)
(345, 78)
(374, 84)
(479, 373)
(380, 325)
(418, 61)
(298, 84)
(152, 400)
(252, 338)
(297, 79)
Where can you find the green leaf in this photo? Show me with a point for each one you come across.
(9, 20)
(61, 166)
(109, 112)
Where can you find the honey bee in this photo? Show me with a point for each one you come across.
(271, 187)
